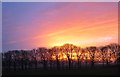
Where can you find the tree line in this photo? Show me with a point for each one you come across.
(67, 56)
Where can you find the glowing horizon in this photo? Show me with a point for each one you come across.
(32, 25)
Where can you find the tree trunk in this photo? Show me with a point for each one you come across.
(78, 63)
(86, 62)
(36, 64)
(92, 62)
(22, 64)
(9, 64)
(58, 64)
(44, 64)
(107, 63)
(29, 65)
(69, 63)
(26, 62)
(50, 64)
(14, 65)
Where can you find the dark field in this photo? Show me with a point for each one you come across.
(111, 70)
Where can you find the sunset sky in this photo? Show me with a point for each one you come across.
(47, 24)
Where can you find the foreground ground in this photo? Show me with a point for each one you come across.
(112, 70)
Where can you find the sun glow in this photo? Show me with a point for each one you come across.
(60, 40)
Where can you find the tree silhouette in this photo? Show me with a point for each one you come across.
(55, 52)
(35, 58)
(79, 53)
(92, 54)
(67, 51)
(30, 58)
(61, 56)
(14, 59)
(50, 58)
(22, 59)
(85, 56)
(116, 49)
(103, 55)
(98, 55)
(8, 59)
(108, 55)
(44, 56)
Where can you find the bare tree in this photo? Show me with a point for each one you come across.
(67, 53)
(50, 58)
(116, 49)
(14, 55)
(34, 58)
(8, 60)
(103, 50)
(55, 51)
(44, 57)
(79, 52)
(92, 54)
